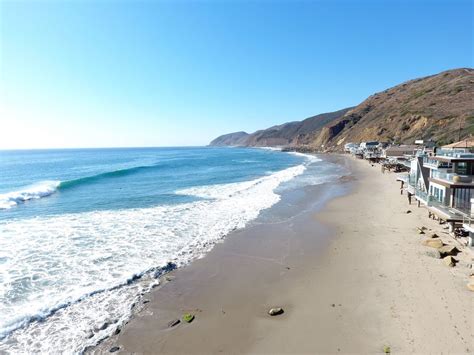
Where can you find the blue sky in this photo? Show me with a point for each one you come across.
(167, 73)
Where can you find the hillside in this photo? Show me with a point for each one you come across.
(231, 139)
(288, 134)
(438, 107)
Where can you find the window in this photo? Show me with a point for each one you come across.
(462, 199)
(461, 168)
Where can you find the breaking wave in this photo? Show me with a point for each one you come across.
(47, 188)
(33, 192)
(120, 253)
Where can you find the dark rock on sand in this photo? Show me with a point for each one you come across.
(448, 250)
(114, 349)
(408, 211)
(275, 311)
(173, 323)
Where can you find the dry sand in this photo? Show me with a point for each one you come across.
(352, 277)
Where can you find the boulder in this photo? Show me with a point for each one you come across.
(434, 235)
(449, 261)
(470, 286)
(448, 250)
(188, 318)
(408, 211)
(275, 311)
(433, 243)
(421, 231)
(114, 349)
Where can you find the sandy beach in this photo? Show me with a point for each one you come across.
(350, 272)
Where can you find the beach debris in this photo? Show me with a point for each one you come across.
(449, 261)
(448, 250)
(408, 211)
(275, 311)
(174, 322)
(114, 349)
(188, 317)
(386, 349)
(433, 243)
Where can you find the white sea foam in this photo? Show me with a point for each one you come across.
(271, 148)
(310, 157)
(66, 268)
(39, 190)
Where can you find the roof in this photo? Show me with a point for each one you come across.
(466, 143)
(403, 148)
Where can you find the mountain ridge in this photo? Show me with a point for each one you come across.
(438, 107)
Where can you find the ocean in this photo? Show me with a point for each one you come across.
(86, 233)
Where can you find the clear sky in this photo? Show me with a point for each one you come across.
(167, 73)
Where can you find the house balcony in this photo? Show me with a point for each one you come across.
(431, 163)
(468, 224)
(423, 196)
(449, 214)
(455, 154)
(452, 178)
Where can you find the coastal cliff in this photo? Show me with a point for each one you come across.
(438, 107)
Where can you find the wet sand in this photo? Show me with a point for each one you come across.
(350, 273)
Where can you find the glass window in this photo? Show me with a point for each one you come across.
(461, 168)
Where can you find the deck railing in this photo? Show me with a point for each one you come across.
(452, 177)
(468, 221)
(429, 162)
(461, 153)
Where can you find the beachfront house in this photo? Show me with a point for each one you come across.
(418, 178)
(369, 146)
(451, 183)
(350, 147)
(400, 152)
(370, 150)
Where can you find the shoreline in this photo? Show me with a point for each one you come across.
(344, 287)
